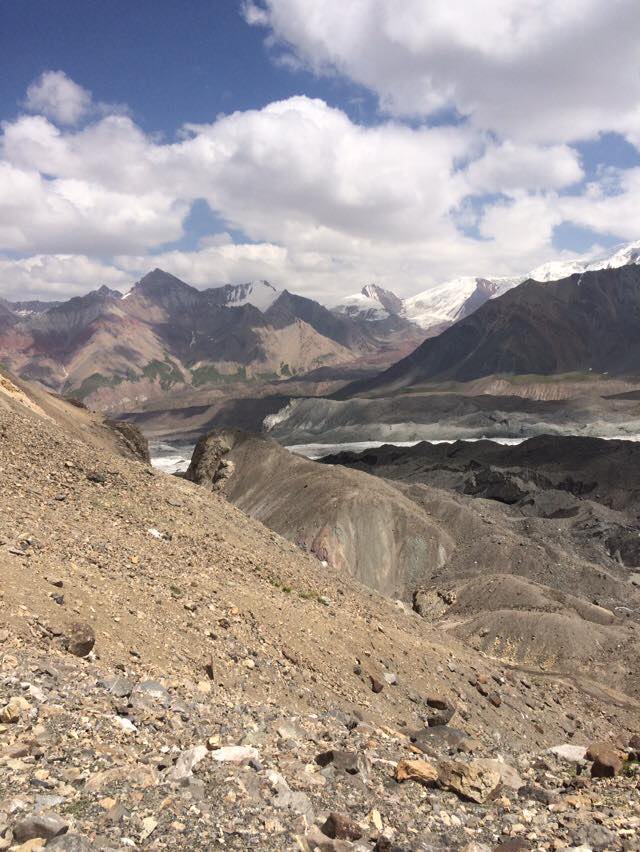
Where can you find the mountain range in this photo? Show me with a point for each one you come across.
(436, 309)
(109, 348)
(119, 351)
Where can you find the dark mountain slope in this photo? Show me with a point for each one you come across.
(588, 322)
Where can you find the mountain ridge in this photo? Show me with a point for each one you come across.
(120, 350)
(588, 322)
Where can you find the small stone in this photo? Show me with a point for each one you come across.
(235, 754)
(149, 825)
(376, 685)
(12, 712)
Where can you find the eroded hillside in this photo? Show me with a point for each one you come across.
(175, 675)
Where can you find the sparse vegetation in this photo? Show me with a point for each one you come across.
(166, 371)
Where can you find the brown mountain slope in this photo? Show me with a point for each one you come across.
(120, 351)
(213, 632)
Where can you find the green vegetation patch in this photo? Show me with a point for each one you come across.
(167, 372)
(96, 381)
(210, 375)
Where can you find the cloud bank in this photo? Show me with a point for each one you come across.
(318, 203)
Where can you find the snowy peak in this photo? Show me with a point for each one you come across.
(260, 294)
(371, 303)
(389, 301)
(447, 303)
(626, 255)
(453, 300)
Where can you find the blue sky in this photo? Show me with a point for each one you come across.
(171, 63)
(404, 144)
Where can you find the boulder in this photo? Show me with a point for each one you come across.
(44, 825)
(607, 760)
(569, 752)
(472, 781)
(508, 775)
(79, 639)
(440, 710)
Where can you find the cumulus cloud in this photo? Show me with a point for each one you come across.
(526, 69)
(57, 96)
(317, 202)
(52, 277)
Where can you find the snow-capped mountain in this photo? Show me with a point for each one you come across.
(556, 270)
(371, 303)
(454, 300)
(260, 294)
(435, 308)
(441, 306)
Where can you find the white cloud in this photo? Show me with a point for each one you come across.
(537, 70)
(510, 166)
(57, 96)
(325, 204)
(52, 277)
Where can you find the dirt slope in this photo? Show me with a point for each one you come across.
(212, 632)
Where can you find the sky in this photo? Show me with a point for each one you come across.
(318, 145)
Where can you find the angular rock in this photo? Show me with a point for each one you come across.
(417, 770)
(340, 827)
(569, 752)
(607, 760)
(186, 762)
(343, 761)
(235, 754)
(79, 639)
(440, 710)
(287, 798)
(14, 710)
(471, 781)
(44, 825)
(508, 775)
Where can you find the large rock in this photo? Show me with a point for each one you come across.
(607, 760)
(79, 639)
(44, 825)
(472, 781)
(440, 710)
(569, 752)
(340, 827)
(508, 775)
